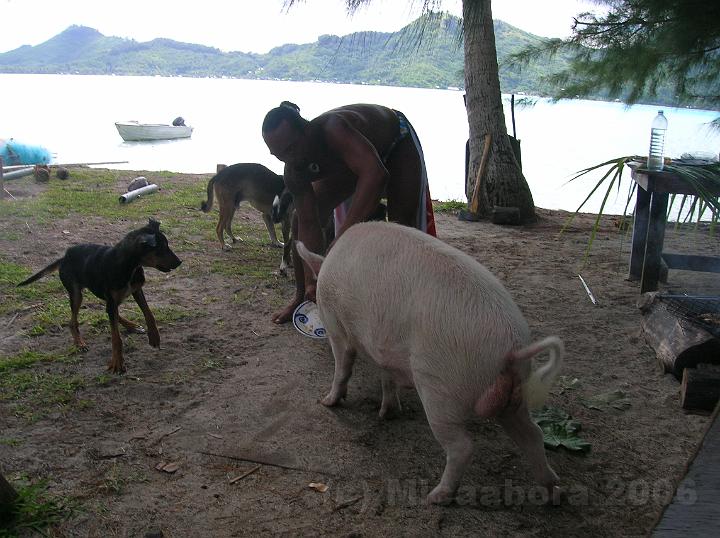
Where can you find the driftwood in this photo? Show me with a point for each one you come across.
(505, 215)
(678, 343)
(700, 388)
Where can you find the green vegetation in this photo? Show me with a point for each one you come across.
(35, 383)
(450, 206)
(427, 53)
(36, 393)
(704, 179)
(647, 51)
(34, 511)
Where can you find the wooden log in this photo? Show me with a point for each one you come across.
(678, 343)
(506, 215)
(42, 173)
(700, 388)
(475, 200)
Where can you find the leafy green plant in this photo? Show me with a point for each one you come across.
(450, 206)
(559, 430)
(704, 179)
(35, 510)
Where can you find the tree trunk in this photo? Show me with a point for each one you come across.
(7, 496)
(503, 182)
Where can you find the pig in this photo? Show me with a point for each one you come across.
(434, 318)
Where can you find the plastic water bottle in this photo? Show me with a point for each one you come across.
(657, 142)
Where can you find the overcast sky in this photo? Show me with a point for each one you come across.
(250, 25)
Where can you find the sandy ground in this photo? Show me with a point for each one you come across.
(228, 393)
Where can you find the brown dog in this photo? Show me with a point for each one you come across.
(113, 273)
(250, 182)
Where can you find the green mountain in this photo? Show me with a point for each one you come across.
(427, 53)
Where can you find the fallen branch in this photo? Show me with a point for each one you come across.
(164, 435)
(268, 463)
(592, 298)
(345, 504)
(12, 319)
(248, 473)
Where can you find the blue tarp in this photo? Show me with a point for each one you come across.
(14, 153)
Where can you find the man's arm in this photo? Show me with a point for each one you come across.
(361, 157)
(309, 229)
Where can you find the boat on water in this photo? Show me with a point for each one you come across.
(134, 131)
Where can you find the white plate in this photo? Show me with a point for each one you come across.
(306, 319)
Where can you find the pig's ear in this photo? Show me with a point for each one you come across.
(314, 261)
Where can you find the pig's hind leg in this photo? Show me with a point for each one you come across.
(447, 421)
(344, 356)
(528, 436)
(390, 401)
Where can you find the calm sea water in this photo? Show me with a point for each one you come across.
(73, 116)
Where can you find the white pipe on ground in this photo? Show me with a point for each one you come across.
(130, 196)
(18, 173)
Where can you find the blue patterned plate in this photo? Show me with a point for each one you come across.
(306, 319)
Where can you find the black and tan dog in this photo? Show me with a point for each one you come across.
(112, 274)
(246, 182)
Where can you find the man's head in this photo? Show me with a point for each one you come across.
(282, 130)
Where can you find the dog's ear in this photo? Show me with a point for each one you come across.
(149, 240)
(154, 224)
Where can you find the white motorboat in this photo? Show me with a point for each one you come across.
(133, 130)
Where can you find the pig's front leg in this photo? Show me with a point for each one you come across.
(344, 359)
(390, 401)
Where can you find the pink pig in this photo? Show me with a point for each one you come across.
(432, 317)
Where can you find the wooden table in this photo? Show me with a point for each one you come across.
(651, 205)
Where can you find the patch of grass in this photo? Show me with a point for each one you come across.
(451, 206)
(11, 273)
(187, 375)
(37, 393)
(18, 298)
(55, 312)
(34, 511)
(104, 380)
(164, 315)
(211, 364)
(24, 359)
(96, 192)
(114, 481)
(10, 442)
(12, 236)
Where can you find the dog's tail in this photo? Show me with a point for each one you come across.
(49, 269)
(207, 206)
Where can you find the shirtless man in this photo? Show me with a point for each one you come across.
(361, 151)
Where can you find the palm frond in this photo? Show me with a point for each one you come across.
(702, 178)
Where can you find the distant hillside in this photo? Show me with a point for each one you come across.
(427, 56)
(419, 55)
